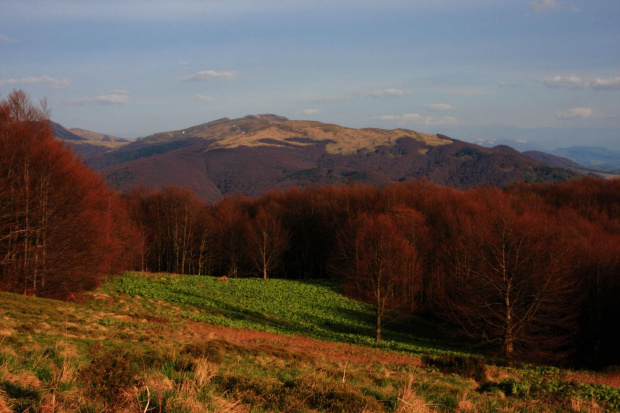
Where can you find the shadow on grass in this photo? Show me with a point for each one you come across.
(318, 320)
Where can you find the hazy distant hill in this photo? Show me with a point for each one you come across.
(98, 137)
(86, 143)
(554, 160)
(592, 157)
(254, 154)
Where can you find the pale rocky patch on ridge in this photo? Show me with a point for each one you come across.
(272, 130)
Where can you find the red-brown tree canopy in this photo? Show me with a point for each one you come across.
(61, 229)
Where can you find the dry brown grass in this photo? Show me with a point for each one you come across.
(585, 406)
(4, 404)
(250, 132)
(345, 140)
(23, 379)
(464, 404)
(67, 350)
(308, 348)
(609, 379)
(204, 371)
(410, 402)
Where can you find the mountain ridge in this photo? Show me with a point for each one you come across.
(256, 153)
(270, 129)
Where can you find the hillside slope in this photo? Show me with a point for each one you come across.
(123, 349)
(253, 154)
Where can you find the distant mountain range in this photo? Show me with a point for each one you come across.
(253, 154)
(590, 158)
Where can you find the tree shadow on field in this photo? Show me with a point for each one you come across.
(239, 313)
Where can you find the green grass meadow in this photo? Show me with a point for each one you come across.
(175, 343)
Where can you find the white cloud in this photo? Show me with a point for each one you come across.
(207, 75)
(576, 82)
(412, 116)
(539, 6)
(47, 81)
(612, 83)
(204, 98)
(309, 112)
(6, 39)
(389, 93)
(438, 107)
(416, 118)
(484, 141)
(387, 117)
(575, 113)
(570, 82)
(114, 97)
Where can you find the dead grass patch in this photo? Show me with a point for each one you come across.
(186, 403)
(585, 406)
(410, 402)
(609, 379)
(4, 404)
(23, 379)
(464, 404)
(67, 350)
(204, 371)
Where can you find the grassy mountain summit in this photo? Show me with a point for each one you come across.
(257, 153)
(274, 130)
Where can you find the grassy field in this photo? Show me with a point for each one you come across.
(168, 343)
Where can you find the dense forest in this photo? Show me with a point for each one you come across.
(530, 271)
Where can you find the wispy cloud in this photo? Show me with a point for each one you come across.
(309, 112)
(387, 117)
(576, 82)
(612, 83)
(204, 98)
(575, 113)
(6, 39)
(47, 81)
(210, 75)
(439, 107)
(540, 6)
(412, 116)
(416, 118)
(389, 93)
(564, 82)
(114, 97)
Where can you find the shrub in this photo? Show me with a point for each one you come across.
(109, 377)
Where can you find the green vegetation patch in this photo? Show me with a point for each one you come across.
(469, 152)
(313, 308)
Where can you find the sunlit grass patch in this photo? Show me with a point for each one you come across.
(313, 308)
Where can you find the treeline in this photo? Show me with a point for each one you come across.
(533, 271)
(61, 229)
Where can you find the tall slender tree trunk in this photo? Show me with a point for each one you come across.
(25, 265)
(378, 330)
(509, 337)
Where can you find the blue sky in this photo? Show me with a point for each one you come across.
(542, 71)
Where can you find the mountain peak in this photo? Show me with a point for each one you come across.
(269, 117)
(274, 130)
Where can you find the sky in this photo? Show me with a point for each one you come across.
(541, 73)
